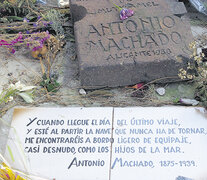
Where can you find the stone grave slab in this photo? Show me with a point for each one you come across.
(110, 143)
(150, 45)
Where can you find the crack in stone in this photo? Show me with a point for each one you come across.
(112, 141)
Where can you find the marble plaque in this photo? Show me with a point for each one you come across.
(147, 143)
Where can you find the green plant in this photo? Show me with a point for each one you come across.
(17, 89)
(54, 16)
(50, 83)
(7, 95)
(197, 70)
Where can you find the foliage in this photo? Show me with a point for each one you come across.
(7, 95)
(17, 89)
(23, 23)
(15, 10)
(50, 83)
(55, 16)
(197, 69)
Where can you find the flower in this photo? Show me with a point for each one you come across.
(23, 91)
(10, 98)
(35, 25)
(12, 50)
(21, 87)
(126, 13)
(6, 173)
(25, 20)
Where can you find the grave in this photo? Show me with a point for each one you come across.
(150, 45)
(146, 143)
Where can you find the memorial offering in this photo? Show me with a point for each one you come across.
(151, 44)
(113, 143)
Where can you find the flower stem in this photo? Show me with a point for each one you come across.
(118, 7)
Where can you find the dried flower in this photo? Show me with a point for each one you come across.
(25, 20)
(41, 22)
(12, 43)
(36, 40)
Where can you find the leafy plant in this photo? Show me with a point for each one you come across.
(55, 17)
(197, 70)
(7, 95)
(50, 83)
(17, 89)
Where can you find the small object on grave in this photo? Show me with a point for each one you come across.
(161, 91)
(192, 102)
(40, 52)
(63, 3)
(200, 5)
(138, 86)
(49, 3)
(41, 2)
(6, 173)
(124, 13)
(82, 92)
(202, 51)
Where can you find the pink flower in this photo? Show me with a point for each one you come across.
(126, 13)
(18, 39)
(4, 43)
(12, 51)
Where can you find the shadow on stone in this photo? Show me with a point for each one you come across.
(78, 12)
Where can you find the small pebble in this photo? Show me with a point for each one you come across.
(63, 3)
(160, 91)
(192, 102)
(82, 92)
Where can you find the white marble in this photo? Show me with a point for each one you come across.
(186, 157)
(56, 165)
(137, 151)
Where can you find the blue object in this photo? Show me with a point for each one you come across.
(200, 5)
(41, 1)
(182, 178)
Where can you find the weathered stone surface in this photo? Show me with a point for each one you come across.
(150, 45)
(177, 8)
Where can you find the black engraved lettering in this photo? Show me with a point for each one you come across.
(93, 30)
(113, 44)
(168, 22)
(150, 40)
(163, 38)
(124, 42)
(131, 26)
(176, 37)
